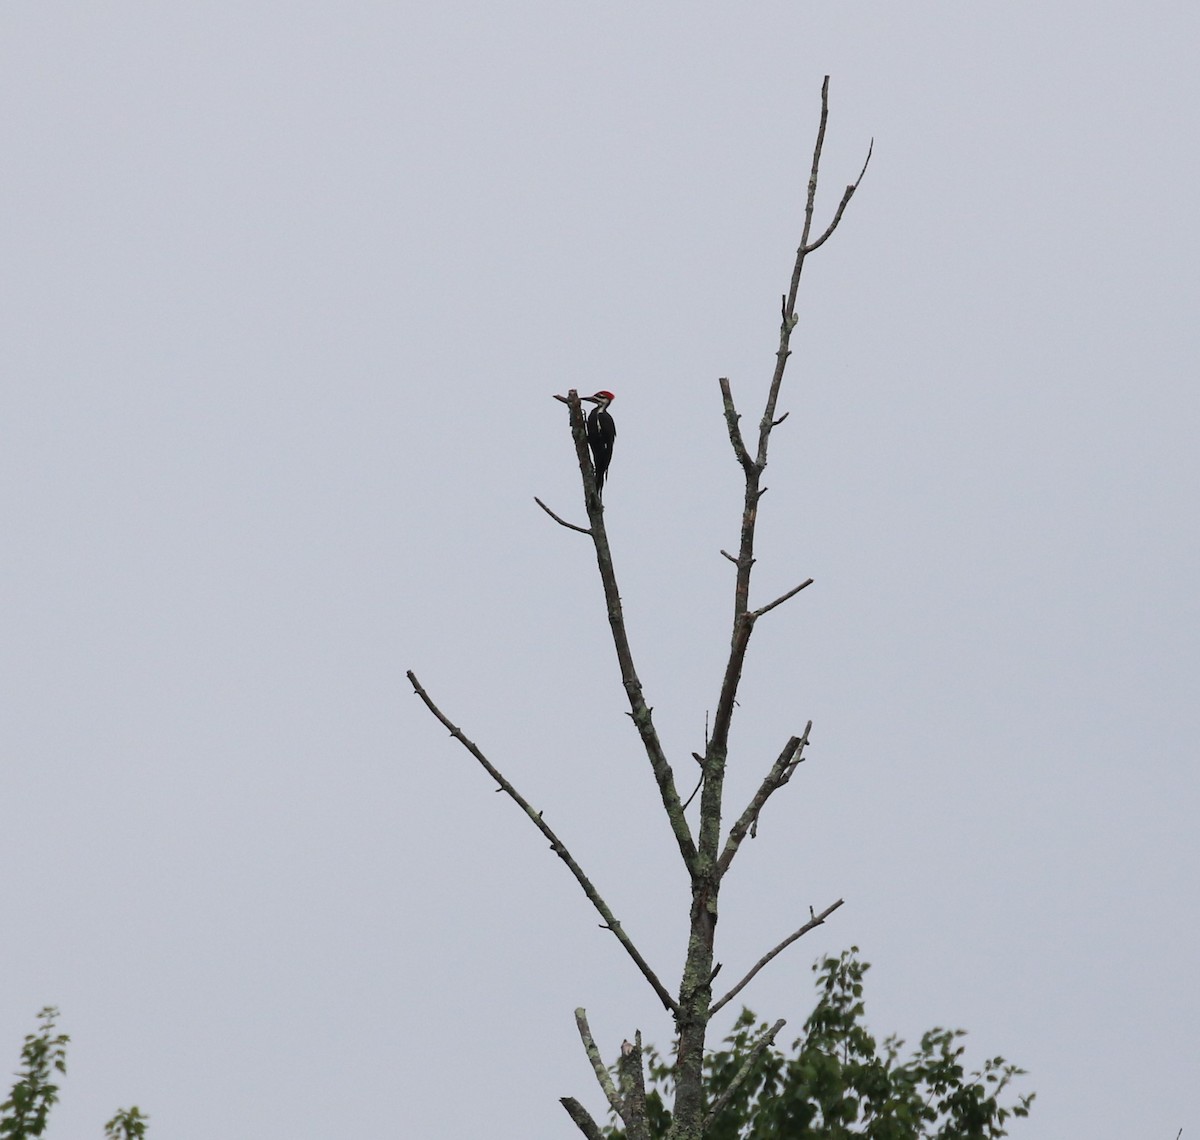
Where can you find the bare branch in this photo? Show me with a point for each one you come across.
(812, 924)
(847, 194)
(743, 625)
(742, 1073)
(756, 614)
(731, 423)
(582, 1118)
(603, 1076)
(639, 711)
(781, 771)
(790, 319)
(743, 617)
(561, 522)
(729, 556)
(556, 845)
(811, 201)
(633, 1089)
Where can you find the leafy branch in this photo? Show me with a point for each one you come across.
(24, 1114)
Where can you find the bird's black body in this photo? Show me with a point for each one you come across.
(601, 431)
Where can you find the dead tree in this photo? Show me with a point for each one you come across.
(705, 854)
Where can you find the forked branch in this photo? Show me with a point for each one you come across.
(781, 771)
(753, 466)
(629, 1103)
(556, 845)
(789, 317)
(847, 194)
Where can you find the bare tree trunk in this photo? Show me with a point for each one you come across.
(705, 857)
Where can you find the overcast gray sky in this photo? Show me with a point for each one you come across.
(286, 291)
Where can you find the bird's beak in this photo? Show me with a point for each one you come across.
(588, 400)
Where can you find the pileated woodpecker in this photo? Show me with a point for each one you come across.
(601, 431)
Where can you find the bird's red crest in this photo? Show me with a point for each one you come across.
(606, 395)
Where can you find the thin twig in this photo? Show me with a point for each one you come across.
(603, 1076)
(556, 845)
(756, 614)
(812, 924)
(561, 522)
(779, 774)
(742, 1074)
(582, 1118)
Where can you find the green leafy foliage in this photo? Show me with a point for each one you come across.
(25, 1112)
(35, 1093)
(128, 1124)
(838, 1083)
